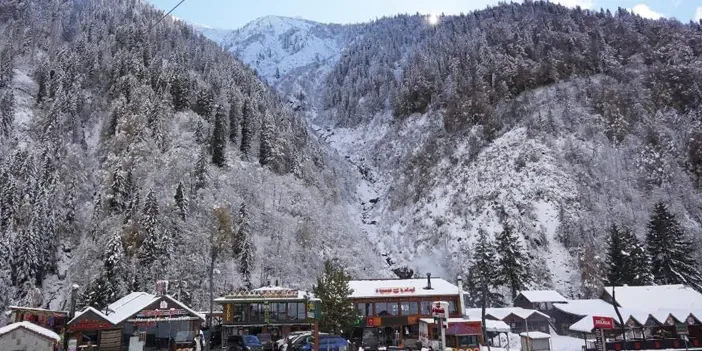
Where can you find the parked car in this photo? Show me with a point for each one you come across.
(327, 343)
(244, 343)
(297, 343)
(280, 344)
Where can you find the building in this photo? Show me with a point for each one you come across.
(566, 314)
(271, 310)
(150, 321)
(655, 297)
(27, 336)
(540, 300)
(517, 318)
(536, 341)
(461, 333)
(49, 319)
(392, 308)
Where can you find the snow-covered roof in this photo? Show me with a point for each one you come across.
(595, 307)
(586, 325)
(41, 310)
(401, 287)
(536, 335)
(655, 297)
(490, 325)
(31, 327)
(543, 296)
(91, 309)
(501, 313)
(131, 304)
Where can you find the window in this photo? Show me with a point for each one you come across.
(381, 309)
(394, 308)
(465, 341)
(240, 312)
(409, 308)
(452, 307)
(426, 307)
(301, 311)
(292, 311)
(282, 307)
(273, 311)
(361, 309)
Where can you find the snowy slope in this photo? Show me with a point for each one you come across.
(276, 46)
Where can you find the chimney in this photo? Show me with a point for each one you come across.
(269, 283)
(428, 282)
(461, 303)
(276, 282)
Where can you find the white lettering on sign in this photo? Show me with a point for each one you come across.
(602, 322)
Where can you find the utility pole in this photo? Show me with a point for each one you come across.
(71, 314)
(213, 255)
(619, 315)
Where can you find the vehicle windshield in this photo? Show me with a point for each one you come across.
(251, 340)
(264, 337)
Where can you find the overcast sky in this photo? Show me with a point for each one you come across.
(233, 14)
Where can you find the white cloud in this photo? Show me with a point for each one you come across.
(698, 14)
(644, 11)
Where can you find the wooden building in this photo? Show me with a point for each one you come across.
(518, 319)
(461, 333)
(393, 307)
(49, 319)
(540, 300)
(272, 310)
(139, 319)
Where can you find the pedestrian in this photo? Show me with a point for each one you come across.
(199, 341)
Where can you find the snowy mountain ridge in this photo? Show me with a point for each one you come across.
(276, 46)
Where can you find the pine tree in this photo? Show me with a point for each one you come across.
(153, 244)
(204, 103)
(6, 66)
(513, 262)
(332, 288)
(670, 251)
(7, 113)
(618, 262)
(25, 257)
(180, 90)
(234, 120)
(200, 172)
(246, 129)
(247, 252)
(265, 154)
(219, 139)
(640, 265)
(244, 230)
(483, 273)
(181, 201)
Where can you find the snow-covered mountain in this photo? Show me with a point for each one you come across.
(532, 115)
(277, 46)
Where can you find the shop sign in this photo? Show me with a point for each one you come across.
(161, 313)
(88, 324)
(602, 322)
(228, 312)
(681, 328)
(287, 293)
(398, 290)
(600, 339)
(373, 322)
(266, 312)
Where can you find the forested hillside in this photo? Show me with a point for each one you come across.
(133, 149)
(556, 123)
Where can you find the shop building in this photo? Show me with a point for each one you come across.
(268, 310)
(390, 309)
(518, 319)
(138, 321)
(461, 333)
(540, 300)
(49, 319)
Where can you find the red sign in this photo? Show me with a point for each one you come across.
(87, 324)
(602, 322)
(370, 322)
(405, 290)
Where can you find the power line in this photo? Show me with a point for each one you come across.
(166, 15)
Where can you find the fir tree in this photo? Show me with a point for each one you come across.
(513, 262)
(181, 201)
(204, 103)
(7, 113)
(234, 120)
(247, 252)
(246, 129)
(25, 257)
(6, 66)
(153, 245)
(200, 173)
(483, 273)
(265, 154)
(671, 252)
(180, 90)
(244, 224)
(219, 139)
(332, 288)
(618, 262)
(640, 265)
